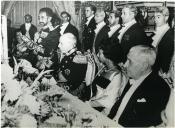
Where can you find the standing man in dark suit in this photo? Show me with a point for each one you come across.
(67, 27)
(145, 95)
(101, 31)
(163, 40)
(88, 32)
(132, 33)
(115, 22)
(28, 28)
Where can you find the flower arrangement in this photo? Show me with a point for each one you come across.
(19, 98)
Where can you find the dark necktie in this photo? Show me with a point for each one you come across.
(118, 102)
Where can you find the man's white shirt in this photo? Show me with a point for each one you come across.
(63, 27)
(113, 29)
(125, 28)
(27, 26)
(99, 27)
(135, 84)
(160, 31)
(89, 19)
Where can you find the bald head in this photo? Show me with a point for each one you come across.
(67, 42)
(140, 60)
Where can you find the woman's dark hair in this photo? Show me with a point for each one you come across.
(113, 51)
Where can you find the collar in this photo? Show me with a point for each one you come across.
(65, 24)
(70, 51)
(162, 28)
(115, 27)
(27, 23)
(89, 19)
(159, 33)
(130, 23)
(140, 80)
(125, 28)
(101, 24)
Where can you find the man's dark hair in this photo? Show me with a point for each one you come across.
(48, 11)
(113, 51)
(93, 8)
(55, 20)
(117, 14)
(64, 12)
(28, 15)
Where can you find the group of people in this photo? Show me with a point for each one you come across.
(114, 68)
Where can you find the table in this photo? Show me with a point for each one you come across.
(71, 102)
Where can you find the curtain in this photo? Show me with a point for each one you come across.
(68, 6)
(7, 6)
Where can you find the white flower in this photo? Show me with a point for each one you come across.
(25, 63)
(27, 121)
(6, 73)
(31, 102)
(30, 70)
(13, 90)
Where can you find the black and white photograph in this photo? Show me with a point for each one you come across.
(87, 64)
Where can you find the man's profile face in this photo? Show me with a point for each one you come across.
(65, 46)
(159, 19)
(112, 19)
(99, 17)
(127, 15)
(101, 56)
(43, 19)
(65, 18)
(88, 12)
(134, 65)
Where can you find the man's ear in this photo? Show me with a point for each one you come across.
(166, 18)
(93, 12)
(68, 18)
(49, 18)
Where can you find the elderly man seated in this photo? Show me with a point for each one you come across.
(73, 64)
(145, 95)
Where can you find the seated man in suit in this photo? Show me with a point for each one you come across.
(146, 94)
(88, 32)
(115, 22)
(131, 33)
(67, 27)
(73, 64)
(163, 40)
(101, 31)
(28, 28)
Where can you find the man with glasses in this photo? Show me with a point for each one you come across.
(163, 40)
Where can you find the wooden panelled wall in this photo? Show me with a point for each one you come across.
(22, 8)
